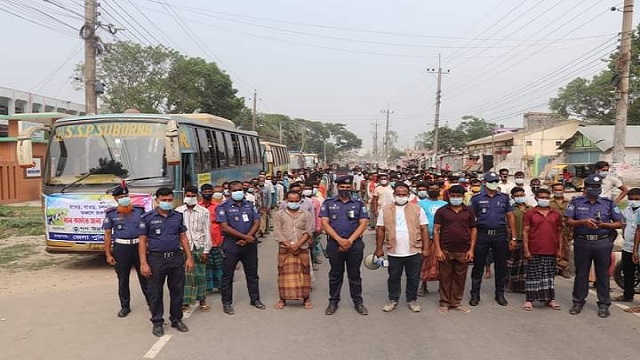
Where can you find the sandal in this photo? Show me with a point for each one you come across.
(280, 305)
(527, 306)
(205, 307)
(443, 310)
(554, 305)
(461, 309)
(308, 304)
(633, 309)
(185, 308)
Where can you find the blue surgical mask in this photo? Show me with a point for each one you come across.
(634, 203)
(315, 191)
(165, 205)
(593, 192)
(455, 201)
(603, 173)
(492, 186)
(237, 195)
(520, 199)
(250, 190)
(293, 205)
(544, 202)
(423, 194)
(124, 201)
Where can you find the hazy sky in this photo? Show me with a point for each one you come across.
(340, 61)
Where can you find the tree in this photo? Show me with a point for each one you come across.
(448, 139)
(475, 128)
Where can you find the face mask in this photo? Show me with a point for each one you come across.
(237, 195)
(558, 194)
(293, 205)
(401, 200)
(475, 189)
(434, 194)
(544, 202)
(413, 189)
(461, 180)
(124, 201)
(603, 173)
(307, 193)
(492, 186)
(455, 201)
(384, 182)
(217, 195)
(165, 205)
(634, 203)
(315, 191)
(226, 192)
(393, 183)
(190, 200)
(250, 190)
(422, 194)
(520, 199)
(209, 196)
(519, 181)
(594, 192)
(344, 193)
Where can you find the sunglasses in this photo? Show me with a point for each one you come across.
(493, 181)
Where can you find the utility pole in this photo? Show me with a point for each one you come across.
(375, 142)
(280, 131)
(386, 143)
(88, 35)
(255, 100)
(624, 62)
(436, 122)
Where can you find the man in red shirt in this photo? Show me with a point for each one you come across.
(542, 235)
(212, 196)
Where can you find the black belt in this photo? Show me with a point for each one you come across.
(593, 237)
(488, 231)
(168, 254)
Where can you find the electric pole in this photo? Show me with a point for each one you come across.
(87, 32)
(375, 142)
(436, 123)
(255, 100)
(280, 131)
(622, 107)
(386, 144)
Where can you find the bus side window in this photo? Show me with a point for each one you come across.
(248, 158)
(232, 149)
(257, 151)
(213, 146)
(204, 163)
(223, 153)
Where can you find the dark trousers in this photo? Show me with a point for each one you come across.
(628, 274)
(127, 256)
(500, 249)
(584, 252)
(248, 255)
(171, 269)
(411, 266)
(352, 258)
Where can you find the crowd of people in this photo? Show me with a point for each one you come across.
(429, 226)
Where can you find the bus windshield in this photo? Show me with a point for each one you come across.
(108, 151)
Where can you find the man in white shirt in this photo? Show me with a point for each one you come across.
(402, 227)
(611, 183)
(382, 195)
(196, 218)
(505, 184)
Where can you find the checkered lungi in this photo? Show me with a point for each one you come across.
(294, 275)
(429, 271)
(541, 270)
(214, 268)
(516, 270)
(195, 282)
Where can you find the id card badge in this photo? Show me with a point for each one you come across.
(245, 217)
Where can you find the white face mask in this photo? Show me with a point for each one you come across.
(492, 186)
(401, 200)
(519, 181)
(384, 182)
(191, 201)
(307, 192)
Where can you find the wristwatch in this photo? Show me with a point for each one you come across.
(514, 239)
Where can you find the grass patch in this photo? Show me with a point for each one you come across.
(11, 253)
(21, 221)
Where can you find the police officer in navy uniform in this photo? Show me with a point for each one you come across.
(344, 220)
(594, 220)
(164, 254)
(239, 221)
(493, 213)
(121, 244)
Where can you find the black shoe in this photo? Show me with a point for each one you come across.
(331, 309)
(576, 309)
(361, 309)
(228, 309)
(124, 312)
(258, 305)
(501, 300)
(603, 311)
(157, 330)
(475, 300)
(180, 326)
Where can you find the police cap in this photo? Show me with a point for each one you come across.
(593, 179)
(346, 179)
(491, 176)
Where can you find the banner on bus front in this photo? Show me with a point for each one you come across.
(79, 217)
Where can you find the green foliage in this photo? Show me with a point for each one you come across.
(593, 100)
(471, 128)
(20, 221)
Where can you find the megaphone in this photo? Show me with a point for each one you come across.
(373, 262)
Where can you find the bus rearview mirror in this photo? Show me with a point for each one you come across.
(25, 153)
(171, 143)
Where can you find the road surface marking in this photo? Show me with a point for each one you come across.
(164, 339)
(621, 306)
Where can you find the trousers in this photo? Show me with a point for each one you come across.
(411, 266)
(248, 256)
(628, 274)
(500, 249)
(585, 252)
(352, 258)
(127, 256)
(453, 274)
(171, 269)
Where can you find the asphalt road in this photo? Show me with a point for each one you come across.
(80, 323)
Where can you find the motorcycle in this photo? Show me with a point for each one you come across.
(617, 276)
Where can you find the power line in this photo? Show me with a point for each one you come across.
(135, 33)
(55, 72)
(137, 23)
(42, 24)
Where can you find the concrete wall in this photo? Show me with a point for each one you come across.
(15, 186)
